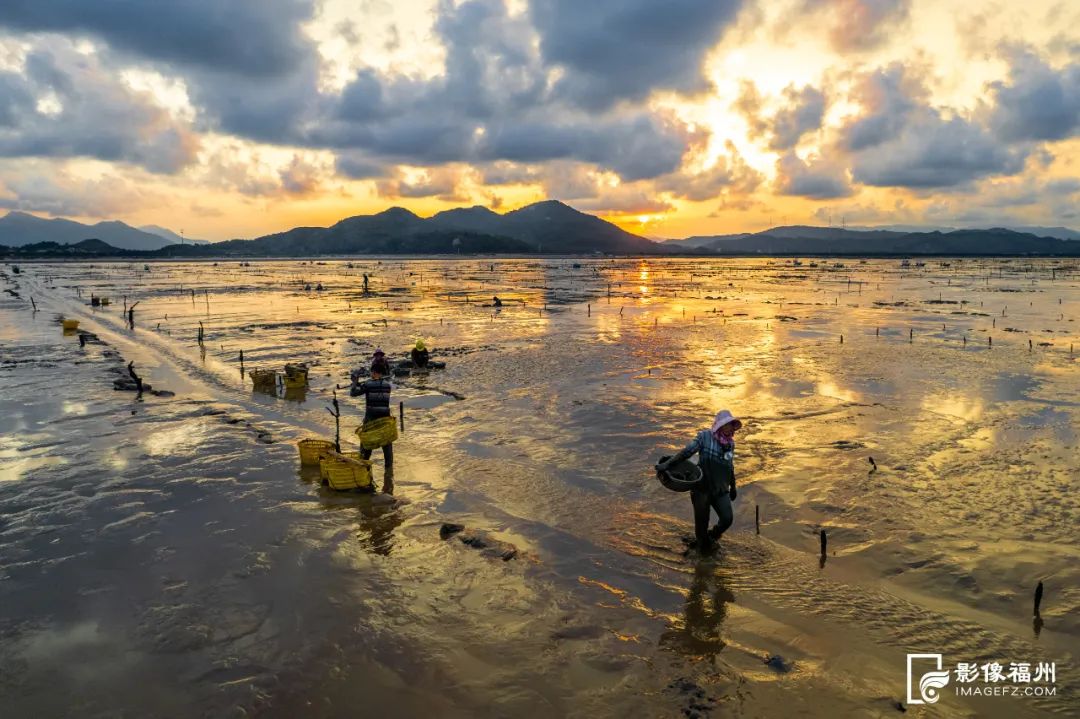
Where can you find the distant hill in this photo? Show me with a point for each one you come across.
(171, 236)
(19, 228)
(552, 227)
(548, 227)
(805, 240)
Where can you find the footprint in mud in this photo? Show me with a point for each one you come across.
(477, 539)
(696, 701)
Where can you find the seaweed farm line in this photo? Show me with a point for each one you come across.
(165, 555)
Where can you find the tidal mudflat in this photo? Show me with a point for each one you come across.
(166, 557)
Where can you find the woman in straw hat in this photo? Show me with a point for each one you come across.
(717, 449)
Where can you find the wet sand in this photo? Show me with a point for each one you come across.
(168, 558)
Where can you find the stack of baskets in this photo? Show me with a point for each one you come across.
(339, 471)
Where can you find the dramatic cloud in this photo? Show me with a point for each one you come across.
(249, 37)
(802, 113)
(731, 173)
(934, 151)
(66, 103)
(887, 96)
(816, 178)
(613, 50)
(1038, 102)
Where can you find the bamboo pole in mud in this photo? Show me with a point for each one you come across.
(401, 415)
(757, 519)
(241, 364)
(824, 543)
(1038, 598)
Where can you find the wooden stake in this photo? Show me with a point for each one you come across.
(757, 519)
(1038, 598)
(401, 414)
(824, 543)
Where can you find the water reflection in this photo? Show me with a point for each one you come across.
(704, 613)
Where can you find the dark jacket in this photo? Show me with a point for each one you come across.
(376, 394)
(717, 462)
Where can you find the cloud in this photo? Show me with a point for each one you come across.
(887, 97)
(67, 103)
(622, 50)
(730, 174)
(857, 25)
(749, 104)
(802, 112)
(257, 38)
(444, 183)
(494, 103)
(933, 150)
(815, 178)
(1038, 102)
(358, 166)
(636, 147)
(301, 176)
(504, 172)
(46, 187)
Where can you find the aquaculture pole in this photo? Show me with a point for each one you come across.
(336, 414)
(1038, 598)
(824, 542)
(401, 415)
(241, 364)
(757, 519)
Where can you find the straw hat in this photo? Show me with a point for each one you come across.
(724, 417)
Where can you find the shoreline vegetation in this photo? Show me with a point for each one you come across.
(548, 229)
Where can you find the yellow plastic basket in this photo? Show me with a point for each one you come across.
(313, 450)
(296, 375)
(298, 381)
(71, 324)
(343, 472)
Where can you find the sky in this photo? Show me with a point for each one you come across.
(669, 117)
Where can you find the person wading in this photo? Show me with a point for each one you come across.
(379, 428)
(717, 449)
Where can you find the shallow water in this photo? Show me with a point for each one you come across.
(166, 557)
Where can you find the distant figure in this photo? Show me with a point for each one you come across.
(496, 302)
(318, 287)
(379, 428)
(717, 449)
(365, 284)
(420, 354)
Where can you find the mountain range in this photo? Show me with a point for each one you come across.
(808, 240)
(548, 227)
